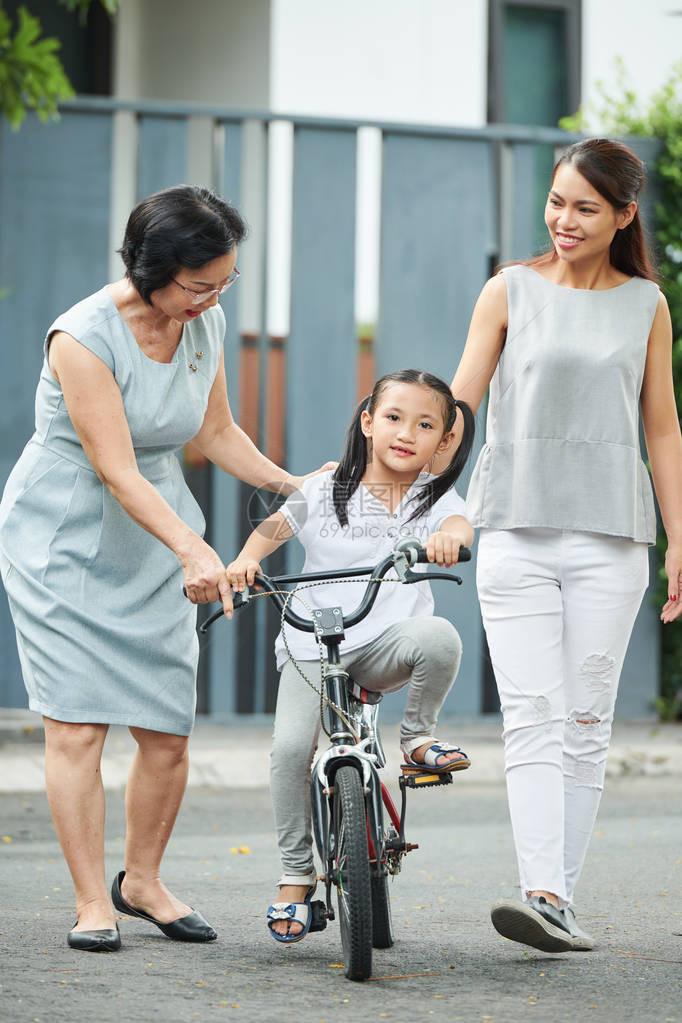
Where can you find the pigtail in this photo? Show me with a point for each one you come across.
(351, 468)
(462, 453)
(434, 490)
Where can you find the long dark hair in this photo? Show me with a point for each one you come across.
(353, 464)
(619, 175)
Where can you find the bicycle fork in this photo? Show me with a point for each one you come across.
(385, 852)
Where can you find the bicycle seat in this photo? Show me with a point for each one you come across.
(361, 694)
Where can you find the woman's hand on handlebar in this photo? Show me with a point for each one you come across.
(205, 576)
(443, 548)
(241, 572)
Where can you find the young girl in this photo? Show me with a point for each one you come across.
(381, 490)
(576, 340)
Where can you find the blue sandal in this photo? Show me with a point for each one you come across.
(430, 765)
(300, 912)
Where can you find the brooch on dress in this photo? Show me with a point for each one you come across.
(191, 365)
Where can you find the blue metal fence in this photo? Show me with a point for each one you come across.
(452, 203)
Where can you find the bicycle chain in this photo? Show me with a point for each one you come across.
(324, 664)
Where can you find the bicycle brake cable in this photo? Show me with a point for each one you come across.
(324, 699)
(289, 595)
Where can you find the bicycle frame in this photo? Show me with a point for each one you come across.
(362, 750)
(344, 749)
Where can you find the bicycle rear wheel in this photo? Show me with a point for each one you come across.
(352, 873)
(382, 924)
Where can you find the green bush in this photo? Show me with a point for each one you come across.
(619, 113)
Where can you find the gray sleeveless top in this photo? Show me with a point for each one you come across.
(562, 439)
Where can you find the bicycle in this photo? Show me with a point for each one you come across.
(359, 851)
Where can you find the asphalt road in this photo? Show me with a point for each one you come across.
(447, 963)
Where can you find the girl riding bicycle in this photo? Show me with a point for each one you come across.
(381, 489)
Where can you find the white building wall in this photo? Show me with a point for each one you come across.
(648, 36)
(397, 60)
(209, 51)
(381, 59)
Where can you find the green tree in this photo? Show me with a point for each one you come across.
(31, 74)
(618, 112)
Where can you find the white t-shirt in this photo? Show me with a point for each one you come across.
(368, 538)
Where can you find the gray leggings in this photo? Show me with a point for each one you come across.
(422, 653)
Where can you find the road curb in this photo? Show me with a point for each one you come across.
(233, 752)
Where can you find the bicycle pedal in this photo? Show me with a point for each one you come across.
(421, 780)
(319, 916)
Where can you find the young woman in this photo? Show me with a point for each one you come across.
(381, 489)
(574, 341)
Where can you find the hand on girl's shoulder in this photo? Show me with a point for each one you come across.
(322, 474)
(320, 480)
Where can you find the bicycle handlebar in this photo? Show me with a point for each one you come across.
(407, 552)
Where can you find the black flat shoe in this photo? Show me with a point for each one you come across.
(536, 923)
(192, 927)
(95, 941)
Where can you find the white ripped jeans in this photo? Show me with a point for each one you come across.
(558, 608)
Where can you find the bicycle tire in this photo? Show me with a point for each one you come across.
(352, 873)
(382, 923)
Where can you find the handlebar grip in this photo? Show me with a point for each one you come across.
(464, 555)
(238, 600)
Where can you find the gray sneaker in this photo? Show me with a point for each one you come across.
(536, 923)
(582, 941)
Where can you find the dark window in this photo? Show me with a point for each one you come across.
(533, 79)
(534, 61)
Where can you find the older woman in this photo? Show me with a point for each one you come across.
(98, 531)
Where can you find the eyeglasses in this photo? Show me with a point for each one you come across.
(201, 296)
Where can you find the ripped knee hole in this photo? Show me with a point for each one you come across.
(584, 718)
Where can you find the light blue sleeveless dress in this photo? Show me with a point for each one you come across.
(103, 630)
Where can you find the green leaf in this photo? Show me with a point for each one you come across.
(31, 75)
(83, 6)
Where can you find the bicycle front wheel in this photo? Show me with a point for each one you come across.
(352, 872)
(382, 924)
